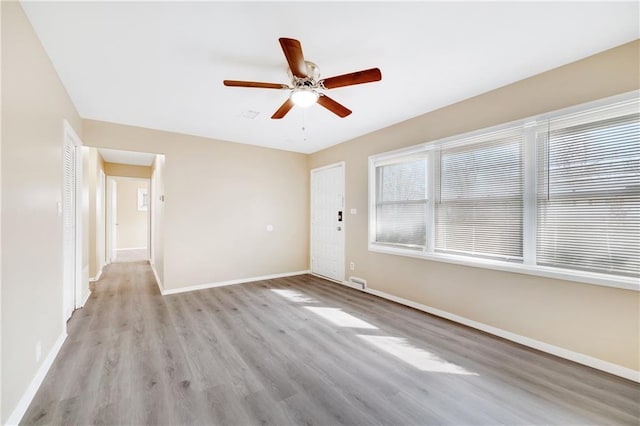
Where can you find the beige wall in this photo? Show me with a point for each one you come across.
(597, 321)
(132, 228)
(219, 199)
(116, 169)
(34, 104)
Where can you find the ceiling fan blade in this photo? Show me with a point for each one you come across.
(336, 108)
(359, 77)
(293, 52)
(237, 83)
(283, 110)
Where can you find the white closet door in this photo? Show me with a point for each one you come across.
(327, 223)
(69, 227)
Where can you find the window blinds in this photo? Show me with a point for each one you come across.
(479, 197)
(401, 203)
(588, 196)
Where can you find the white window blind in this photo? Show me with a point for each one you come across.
(553, 195)
(401, 203)
(479, 197)
(588, 205)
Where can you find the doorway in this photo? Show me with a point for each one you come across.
(128, 226)
(327, 221)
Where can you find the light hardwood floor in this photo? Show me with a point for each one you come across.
(302, 350)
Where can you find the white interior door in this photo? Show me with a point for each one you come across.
(69, 228)
(327, 223)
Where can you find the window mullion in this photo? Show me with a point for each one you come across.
(529, 226)
(431, 175)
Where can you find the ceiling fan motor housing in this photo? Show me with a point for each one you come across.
(311, 81)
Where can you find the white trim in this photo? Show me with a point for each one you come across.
(109, 219)
(97, 277)
(132, 248)
(328, 166)
(158, 280)
(101, 231)
(232, 282)
(598, 364)
(27, 396)
(530, 210)
(347, 283)
(79, 223)
(85, 299)
(70, 135)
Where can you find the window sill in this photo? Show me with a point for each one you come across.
(626, 283)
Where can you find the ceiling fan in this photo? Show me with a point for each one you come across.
(306, 86)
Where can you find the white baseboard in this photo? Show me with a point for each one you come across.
(158, 281)
(85, 299)
(577, 357)
(97, 277)
(27, 397)
(231, 282)
(346, 283)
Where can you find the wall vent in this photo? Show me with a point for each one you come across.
(358, 281)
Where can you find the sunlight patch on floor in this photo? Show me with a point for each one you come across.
(340, 318)
(419, 358)
(294, 296)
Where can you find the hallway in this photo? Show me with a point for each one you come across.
(131, 255)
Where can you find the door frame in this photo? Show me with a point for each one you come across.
(111, 230)
(69, 135)
(101, 226)
(342, 164)
(152, 216)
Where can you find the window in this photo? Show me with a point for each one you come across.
(589, 191)
(143, 199)
(556, 195)
(474, 215)
(401, 203)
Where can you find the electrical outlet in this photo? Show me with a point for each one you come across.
(38, 351)
(352, 266)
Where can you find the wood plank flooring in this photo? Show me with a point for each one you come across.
(302, 350)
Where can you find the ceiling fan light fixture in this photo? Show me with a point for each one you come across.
(304, 97)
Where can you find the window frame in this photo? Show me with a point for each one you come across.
(528, 265)
(384, 161)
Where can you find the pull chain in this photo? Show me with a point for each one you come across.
(304, 115)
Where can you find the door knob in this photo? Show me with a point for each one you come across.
(339, 228)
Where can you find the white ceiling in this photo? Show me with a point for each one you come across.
(161, 64)
(127, 157)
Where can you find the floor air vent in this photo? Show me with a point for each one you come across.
(358, 281)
